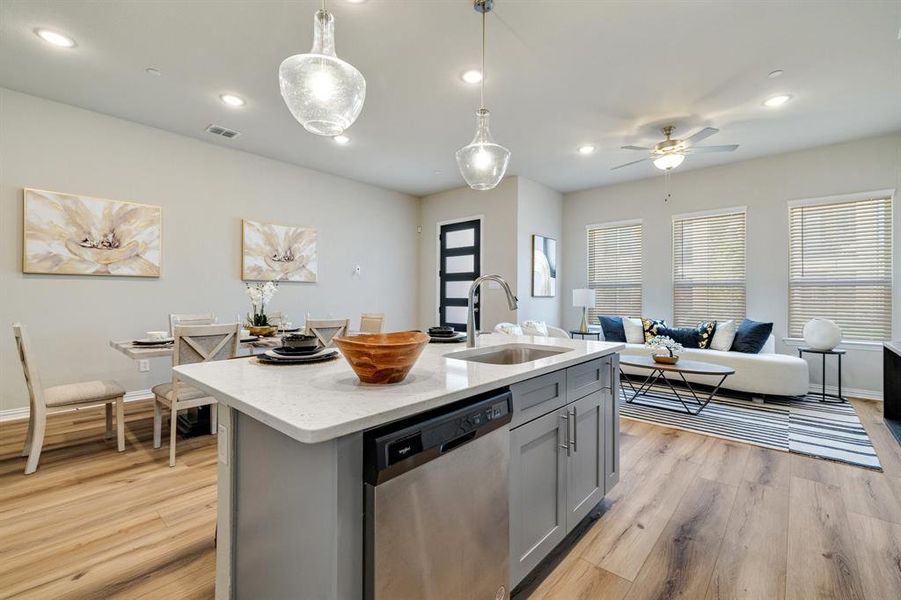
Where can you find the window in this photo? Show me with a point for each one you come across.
(614, 268)
(840, 264)
(708, 267)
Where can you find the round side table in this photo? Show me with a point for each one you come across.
(836, 398)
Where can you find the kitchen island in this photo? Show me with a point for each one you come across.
(291, 497)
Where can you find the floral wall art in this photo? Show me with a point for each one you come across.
(278, 252)
(544, 267)
(68, 234)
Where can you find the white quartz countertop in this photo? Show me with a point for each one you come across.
(319, 402)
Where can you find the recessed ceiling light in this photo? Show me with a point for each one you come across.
(775, 74)
(587, 149)
(152, 71)
(341, 139)
(471, 76)
(57, 39)
(775, 101)
(232, 100)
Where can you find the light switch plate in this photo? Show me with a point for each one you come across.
(143, 365)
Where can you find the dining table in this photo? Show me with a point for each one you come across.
(199, 423)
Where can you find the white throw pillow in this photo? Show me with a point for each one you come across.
(723, 335)
(534, 328)
(634, 330)
(508, 328)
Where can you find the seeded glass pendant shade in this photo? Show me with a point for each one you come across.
(483, 162)
(324, 93)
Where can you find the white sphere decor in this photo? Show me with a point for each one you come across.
(822, 334)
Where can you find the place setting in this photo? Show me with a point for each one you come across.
(445, 335)
(298, 349)
(155, 339)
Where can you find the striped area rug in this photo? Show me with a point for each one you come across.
(800, 425)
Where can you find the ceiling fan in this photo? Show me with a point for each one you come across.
(670, 153)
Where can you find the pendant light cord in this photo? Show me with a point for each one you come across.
(482, 86)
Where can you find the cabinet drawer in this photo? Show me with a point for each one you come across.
(587, 378)
(538, 396)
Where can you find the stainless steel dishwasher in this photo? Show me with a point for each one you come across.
(437, 524)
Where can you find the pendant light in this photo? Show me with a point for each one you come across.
(324, 93)
(482, 162)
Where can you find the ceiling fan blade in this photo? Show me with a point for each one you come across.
(728, 148)
(629, 163)
(701, 135)
(634, 148)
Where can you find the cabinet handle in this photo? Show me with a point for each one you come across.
(575, 425)
(565, 445)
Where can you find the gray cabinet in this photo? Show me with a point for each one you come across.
(563, 456)
(537, 491)
(611, 427)
(585, 464)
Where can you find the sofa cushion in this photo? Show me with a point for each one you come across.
(650, 328)
(613, 328)
(723, 335)
(534, 327)
(634, 330)
(751, 336)
(689, 337)
(764, 374)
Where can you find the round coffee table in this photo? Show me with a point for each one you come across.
(658, 371)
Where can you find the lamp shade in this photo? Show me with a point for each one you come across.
(584, 298)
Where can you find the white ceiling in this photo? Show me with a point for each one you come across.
(560, 74)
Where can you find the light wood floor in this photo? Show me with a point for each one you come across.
(693, 517)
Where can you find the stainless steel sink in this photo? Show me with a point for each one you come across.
(508, 354)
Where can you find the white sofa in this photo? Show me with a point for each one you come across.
(763, 374)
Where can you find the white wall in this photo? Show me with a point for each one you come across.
(205, 191)
(764, 186)
(497, 208)
(539, 211)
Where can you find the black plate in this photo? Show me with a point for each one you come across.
(296, 351)
(152, 343)
(448, 339)
(268, 360)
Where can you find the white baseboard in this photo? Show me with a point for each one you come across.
(816, 388)
(12, 414)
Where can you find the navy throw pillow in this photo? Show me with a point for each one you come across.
(751, 336)
(689, 337)
(613, 328)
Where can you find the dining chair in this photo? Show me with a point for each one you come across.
(276, 319)
(327, 329)
(58, 398)
(193, 344)
(371, 322)
(189, 319)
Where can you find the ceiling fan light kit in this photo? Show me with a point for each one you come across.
(670, 153)
(324, 93)
(482, 162)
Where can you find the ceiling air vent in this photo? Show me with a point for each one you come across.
(222, 131)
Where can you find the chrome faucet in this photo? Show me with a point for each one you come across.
(471, 317)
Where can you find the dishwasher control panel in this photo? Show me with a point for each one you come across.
(397, 447)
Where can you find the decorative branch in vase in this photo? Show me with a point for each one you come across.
(669, 346)
(257, 320)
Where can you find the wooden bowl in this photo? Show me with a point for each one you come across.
(382, 357)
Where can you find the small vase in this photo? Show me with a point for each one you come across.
(665, 360)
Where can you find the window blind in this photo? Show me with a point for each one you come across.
(840, 267)
(614, 269)
(708, 267)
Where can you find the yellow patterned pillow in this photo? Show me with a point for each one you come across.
(706, 329)
(650, 328)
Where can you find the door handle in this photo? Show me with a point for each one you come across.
(566, 445)
(573, 422)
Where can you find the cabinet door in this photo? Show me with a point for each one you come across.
(585, 476)
(611, 426)
(537, 491)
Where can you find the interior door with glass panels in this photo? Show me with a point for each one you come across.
(459, 258)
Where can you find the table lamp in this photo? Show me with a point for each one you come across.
(584, 299)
